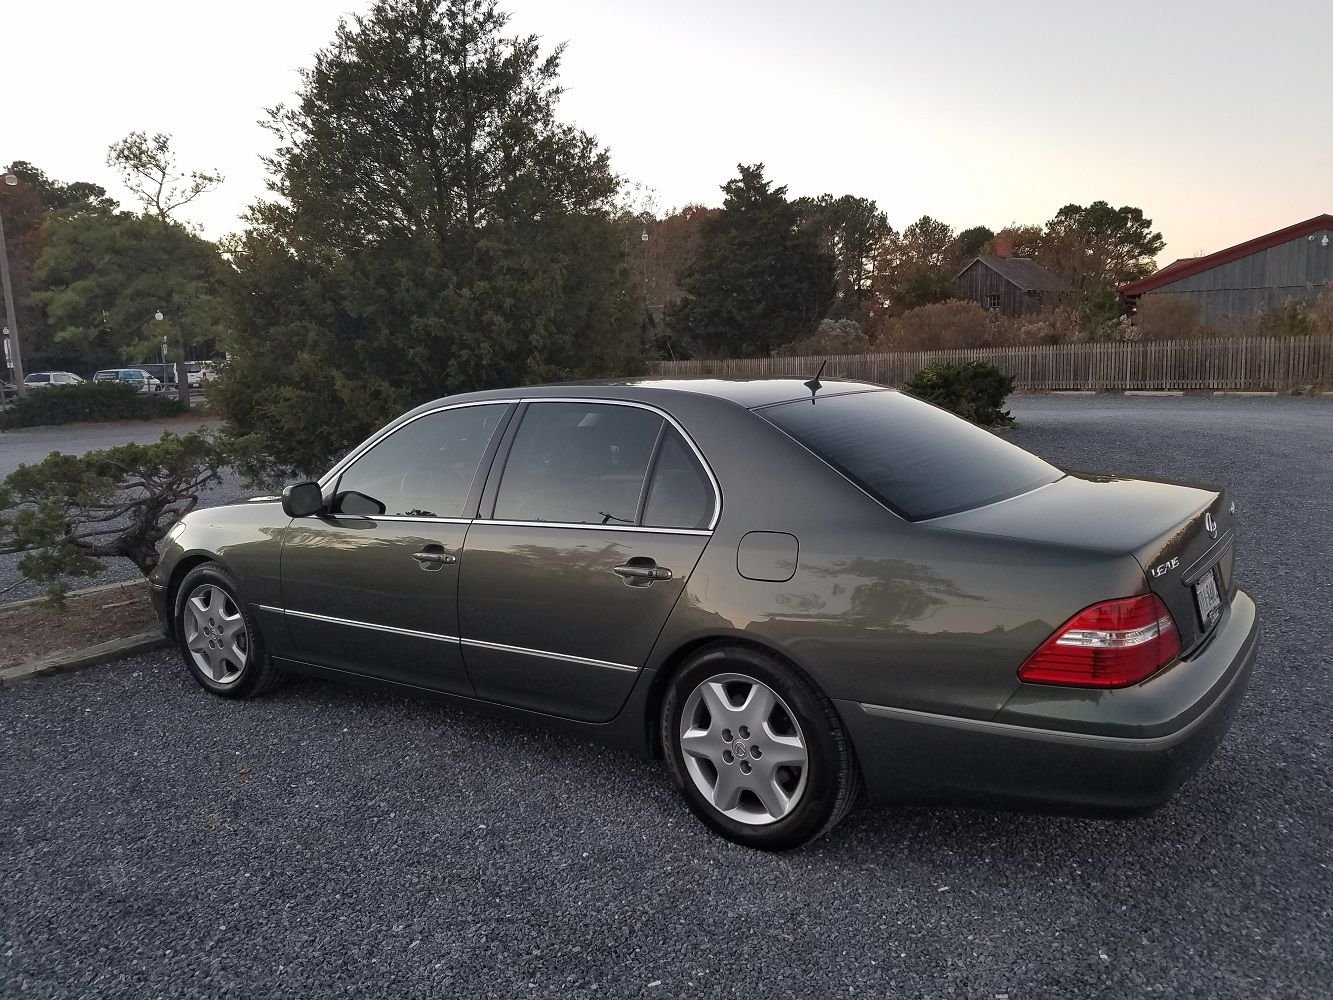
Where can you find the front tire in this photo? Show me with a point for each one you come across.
(219, 638)
(756, 749)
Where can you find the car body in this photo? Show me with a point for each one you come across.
(136, 377)
(639, 560)
(8, 391)
(45, 380)
(166, 373)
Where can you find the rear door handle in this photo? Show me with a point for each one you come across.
(640, 572)
(433, 557)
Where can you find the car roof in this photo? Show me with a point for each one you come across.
(746, 392)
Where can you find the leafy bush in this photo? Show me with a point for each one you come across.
(975, 390)
(1291, 319)
(97, 401)
(834, 336)
(67, 512)
(1169, 317)
(939, 326)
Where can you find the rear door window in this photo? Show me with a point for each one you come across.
(917, 459)
(578, 463)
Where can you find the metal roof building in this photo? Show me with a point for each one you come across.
(1256, 276)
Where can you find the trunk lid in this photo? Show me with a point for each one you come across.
(1180, 535)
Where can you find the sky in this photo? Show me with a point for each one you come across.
(1213, 116)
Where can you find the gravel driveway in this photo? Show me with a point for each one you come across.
(333, 841)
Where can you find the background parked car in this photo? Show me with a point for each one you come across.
(8, 391)
(133, 376)
(42, 380)
(166, 374)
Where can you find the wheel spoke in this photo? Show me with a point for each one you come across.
(758, 706)
(727, 791)
(702, 743)
(787, 750)
(236, 654)
(715, 698)
(232, 627)
(773, 798)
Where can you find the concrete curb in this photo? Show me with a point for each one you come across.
(1229, 392)
(1154, 392)
(99, 589)
(77, 659)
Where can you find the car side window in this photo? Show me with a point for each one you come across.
(578, 463)
(424, 469)
(680, 495)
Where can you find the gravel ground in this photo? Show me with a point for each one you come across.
(336, 841)
(31, 445)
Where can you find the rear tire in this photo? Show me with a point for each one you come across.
(756, 749)
(218, 637)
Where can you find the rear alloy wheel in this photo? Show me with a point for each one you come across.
(218, 639)
(756, 749)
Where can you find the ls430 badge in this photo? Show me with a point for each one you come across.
(1165, 567)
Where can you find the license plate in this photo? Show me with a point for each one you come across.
(1208, 599)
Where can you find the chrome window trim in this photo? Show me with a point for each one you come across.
(698, 455)
(397, 517)
(594, 527)
(332, 475)
(477, 643)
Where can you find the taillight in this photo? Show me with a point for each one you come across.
(1112, 644)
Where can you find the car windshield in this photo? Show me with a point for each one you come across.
(919, 460)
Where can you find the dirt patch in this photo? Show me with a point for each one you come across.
(32, 631)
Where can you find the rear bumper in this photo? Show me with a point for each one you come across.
(1128, 749)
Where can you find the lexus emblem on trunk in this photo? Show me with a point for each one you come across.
(1209, 525)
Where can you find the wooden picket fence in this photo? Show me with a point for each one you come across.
(1254, 364)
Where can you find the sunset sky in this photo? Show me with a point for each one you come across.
(1213, 117)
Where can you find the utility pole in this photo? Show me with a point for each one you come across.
(11, 321)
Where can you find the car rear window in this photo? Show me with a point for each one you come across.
(919, 460)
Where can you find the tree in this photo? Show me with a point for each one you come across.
(915, 266)
(853, 231)
(760, 279)
(68, 512)
(29, 208)
(968, 244)
(148, 166)
(104, 277)
(433, 228)
(1100, 245)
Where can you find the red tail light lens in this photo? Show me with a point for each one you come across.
(1112, 644)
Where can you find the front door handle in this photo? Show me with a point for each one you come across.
(433, 557)
(641, 572)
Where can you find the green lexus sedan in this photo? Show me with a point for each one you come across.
(794, 593)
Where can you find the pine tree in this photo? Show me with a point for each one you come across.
(760, 279)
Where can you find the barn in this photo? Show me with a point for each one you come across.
(1253, 277)
(1012, 286)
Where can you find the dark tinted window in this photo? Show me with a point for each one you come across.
(919, 460)
(425, 468)
(578, 463)
(680, 495)
(37, 378)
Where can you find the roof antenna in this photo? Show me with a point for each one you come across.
(814, 385)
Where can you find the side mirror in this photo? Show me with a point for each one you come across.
(302, 500)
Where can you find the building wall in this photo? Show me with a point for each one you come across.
(1297, 269)
(979, 281)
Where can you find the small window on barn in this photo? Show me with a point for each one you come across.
(993, 301)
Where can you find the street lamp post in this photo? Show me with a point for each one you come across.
(11, 322)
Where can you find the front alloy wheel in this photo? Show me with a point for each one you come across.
(215, 634)
(219, 640)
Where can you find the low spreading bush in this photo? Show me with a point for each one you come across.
(975, 390)
(95, 401)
